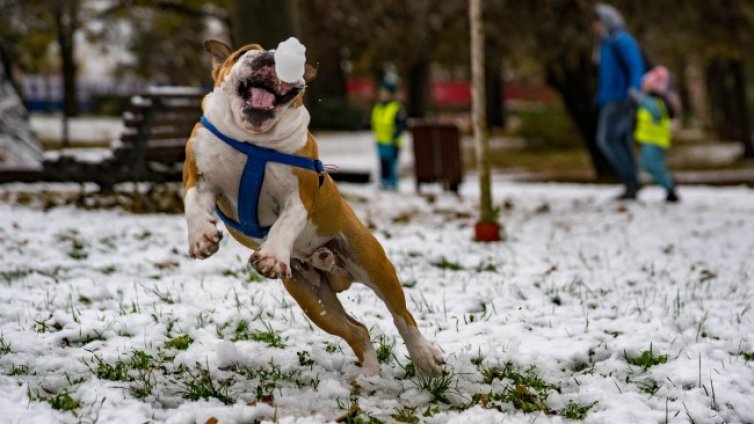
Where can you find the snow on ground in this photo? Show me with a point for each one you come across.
(607, 312)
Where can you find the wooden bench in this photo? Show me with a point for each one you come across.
(157, 125)
(151, 148)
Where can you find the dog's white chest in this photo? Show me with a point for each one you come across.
(221, 166)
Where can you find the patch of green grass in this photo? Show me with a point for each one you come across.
(477, 360)
(359, 419)
(84, 339)
(267, 336)
(305, 359)
(77, 248)
(78, 252)
(63, 402)
(5, 347)
(647, 359)
(245, 273)
(113, 372)
(613, 333)
(180, 342)
(121, 370)
(580, 366)
(331, 347)
(108, 270)
(527, 391)
(143, 384)
(406, 415)
(165, 297)
(141, 361)
(143, 235)
(13, 275)
(385, 353)
(271, 376)
(436, 386)
(648, 386)
(488, 267)
(41, 326)
(200, 385)
(409, 370)
(443, 263)
(575, 411)
(409, 284)
(19, 370)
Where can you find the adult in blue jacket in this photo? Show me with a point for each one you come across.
(620, 68)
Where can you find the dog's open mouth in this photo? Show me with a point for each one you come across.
(262, 95)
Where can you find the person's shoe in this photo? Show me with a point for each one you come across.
(630, 193)
(672, 196)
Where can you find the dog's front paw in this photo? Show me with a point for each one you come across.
(269, 265)
(204, 242)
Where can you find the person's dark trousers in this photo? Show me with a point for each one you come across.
(388, 165)
(653, 161)
(615, 139)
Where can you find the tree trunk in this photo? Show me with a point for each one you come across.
(739, 90)
(418, 87)
(65, 15)
(493, 78)
(478, 111)
(575, 88)
(323, 51)
(682, 86)
(722, 99)
(264, 22)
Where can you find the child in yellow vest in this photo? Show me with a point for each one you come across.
(388, 125)
(653, 127)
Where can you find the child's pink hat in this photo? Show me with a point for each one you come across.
(656, 80)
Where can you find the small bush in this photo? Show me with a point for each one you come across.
(547, 127)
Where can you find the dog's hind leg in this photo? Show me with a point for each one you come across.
(376, 271)
(321, 305)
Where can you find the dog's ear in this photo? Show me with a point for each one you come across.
(310, 73)
(219, 52)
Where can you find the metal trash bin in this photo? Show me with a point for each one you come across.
(437, 153)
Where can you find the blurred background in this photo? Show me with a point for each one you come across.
(85, 59)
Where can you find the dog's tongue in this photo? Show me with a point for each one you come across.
(261, 99)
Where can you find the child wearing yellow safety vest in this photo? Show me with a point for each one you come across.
(653, 127)
(388, 125)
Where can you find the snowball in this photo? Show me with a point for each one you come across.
(290, 59)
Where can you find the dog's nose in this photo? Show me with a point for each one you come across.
(262, 60)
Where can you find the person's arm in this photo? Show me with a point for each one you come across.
(645, 101)
(630, 56)
(400, 124)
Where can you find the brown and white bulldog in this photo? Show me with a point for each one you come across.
(316, 244)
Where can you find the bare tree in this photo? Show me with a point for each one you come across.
(478, 111)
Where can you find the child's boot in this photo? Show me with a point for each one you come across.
(672, 196)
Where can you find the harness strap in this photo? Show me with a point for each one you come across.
(252, 178)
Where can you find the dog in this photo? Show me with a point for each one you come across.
(307, 235)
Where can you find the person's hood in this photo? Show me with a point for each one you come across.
(609, 16)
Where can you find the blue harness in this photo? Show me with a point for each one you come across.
(252, 178)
